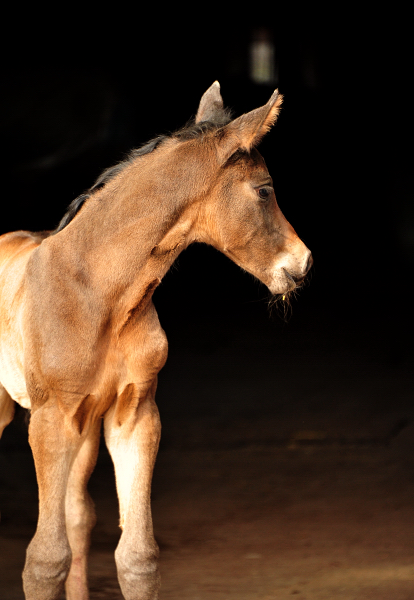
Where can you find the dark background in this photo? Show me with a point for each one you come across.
(80, 91)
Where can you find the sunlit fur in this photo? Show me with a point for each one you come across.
(80, 339)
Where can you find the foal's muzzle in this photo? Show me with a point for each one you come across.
(308, 264)
(294, 279)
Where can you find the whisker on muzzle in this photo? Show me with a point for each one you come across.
(282, 303)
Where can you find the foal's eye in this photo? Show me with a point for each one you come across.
(264, 193)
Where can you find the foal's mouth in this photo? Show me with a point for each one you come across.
(292, 280)
(282, 300)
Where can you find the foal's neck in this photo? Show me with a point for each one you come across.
(128, 234)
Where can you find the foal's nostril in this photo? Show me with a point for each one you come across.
(309, 263)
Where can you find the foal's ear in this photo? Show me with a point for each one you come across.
(211, 105)
(247, 131)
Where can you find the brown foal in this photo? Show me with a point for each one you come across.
(80, 340)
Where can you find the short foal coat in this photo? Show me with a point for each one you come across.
(80, 340)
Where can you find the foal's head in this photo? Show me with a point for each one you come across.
(208, 183)
(240, 215)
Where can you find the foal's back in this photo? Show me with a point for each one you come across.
(18, 243)
(15, 251)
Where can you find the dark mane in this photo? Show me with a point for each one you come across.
(113, 171)
(190, 131)
(194, 130)
(73, 209)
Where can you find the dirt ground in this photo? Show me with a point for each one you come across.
(297, 481)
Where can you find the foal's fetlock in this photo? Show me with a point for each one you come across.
(138, 575)
(45, 572)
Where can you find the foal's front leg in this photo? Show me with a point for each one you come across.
(54, 445)
(80, 514)
(132, 433)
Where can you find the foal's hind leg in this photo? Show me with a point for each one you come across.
(132, 432)
(6, 409)
(54, 445)
(80, 515)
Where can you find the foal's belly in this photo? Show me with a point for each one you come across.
(12, 356)
(12, 379)
(15, 251)
(135, 359)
